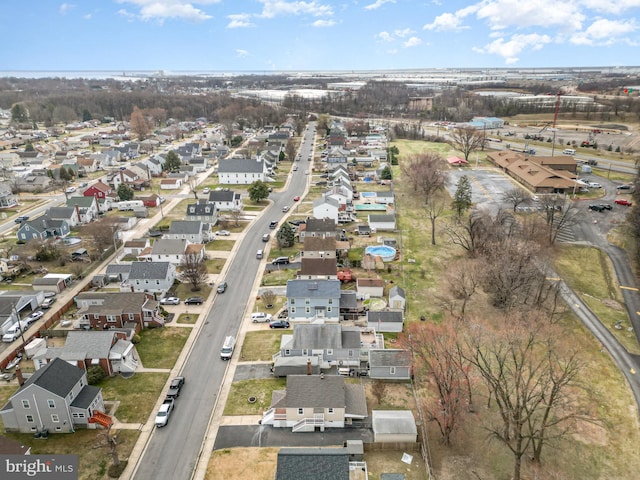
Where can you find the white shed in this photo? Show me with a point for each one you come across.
(393, 426)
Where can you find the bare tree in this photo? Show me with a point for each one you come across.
(467, 140)
(290, 150)
(139, 124)
(516, 196)
(193, 270)
(435, 207)
(378, 390)
(425, 173)
(269, 298)
(103, 233)
(462, 281)
(559, 214)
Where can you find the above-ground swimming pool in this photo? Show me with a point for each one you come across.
(383, 251)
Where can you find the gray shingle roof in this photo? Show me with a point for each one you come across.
(316, 463)
(387, 316)
(393, 291)
(382, 218)
(240, 165)
(94, 344)
(185, 227)
(311, 391)
(313, 289)
(149, 270)
(58, 377)
(389, 358)
(85, 397)
(318, 266)
(325, 336)
(167, 246)
(320, 225)
(348, 299)
(222, 196)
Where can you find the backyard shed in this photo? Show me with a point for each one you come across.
(393, 426)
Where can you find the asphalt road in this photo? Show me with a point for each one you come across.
(172, 451)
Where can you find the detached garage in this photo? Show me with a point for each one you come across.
(394, 426)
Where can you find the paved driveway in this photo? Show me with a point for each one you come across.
(252, 371)
(230, 436)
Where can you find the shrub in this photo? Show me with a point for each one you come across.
(95, 374)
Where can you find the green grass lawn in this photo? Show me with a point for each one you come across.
(260, 345)
(238, 403)
(188, 319)
(277, 277)
(160, 347)
(137, 395)
(215, 265)
(184, 291)
(221, 245)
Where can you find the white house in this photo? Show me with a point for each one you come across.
(241, 171)
(171, 183)
(326, 207)
(226, 200)
(382, 222)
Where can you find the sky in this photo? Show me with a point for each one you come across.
(315, 35)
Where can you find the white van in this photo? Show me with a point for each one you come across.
(569, 151)
(259, 254)
(227, 348)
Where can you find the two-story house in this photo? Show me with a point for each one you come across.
(175, 251)
(56, 398)
(87, 207)
(154, 277)
(226, 200)
(70, 214)
(195, 231)
(319, 247)
(318, 227)
(313, 300)
(326, 207)
(316, 401)
(204, 211)
(241, 171)
(42, 228)
(318, 268)
(111, 310)
(7, 197)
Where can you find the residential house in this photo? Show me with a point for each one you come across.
(109, 350)
(387, 198)
(151, 201)
(113, 310)
(203, 211)
(33, 183)
(135, 247)
(7, 198)
(70, 214)
(311, 401)
(313, 300)
(87, 207)
(318, 268)
(370, 287)
(397, 298)
(171, 183)
(129, 178)
(42, 228)
(385, 321)
(154, 277)
(318, 463)
(56, 398)
(100, 191)
(326, 207)
(153, 165)
(226, 200)
(319, 247)
(88, 164)
(241, 171)
(318, 227)
(383, 222)
(192, 230)
(389, 364)
(199, 164)
(173, 251)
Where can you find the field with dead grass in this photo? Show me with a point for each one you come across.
(243, 464)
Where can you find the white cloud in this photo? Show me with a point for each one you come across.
(412, 42)
(323, 23)
(604, 32)
(239, 20)
(384, 36)
(403, 33)
(610, 6)
(276, 8)
(502, 14)
(240, 53)
(128, 15)
(511, 49)
(447, 22)
(87, 16)
(65, 7)
(377, 4)
(167, 9)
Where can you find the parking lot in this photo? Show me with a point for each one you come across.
(487, 187)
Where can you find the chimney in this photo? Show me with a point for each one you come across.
(308, 366)
(19, 375)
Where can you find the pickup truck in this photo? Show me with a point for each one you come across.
(175, 387)
(162, 417)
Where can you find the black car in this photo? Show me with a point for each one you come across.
(624, 187)
(279, 324)
(175, 387)
(606, 206)
(222, 287)
(597, 208)
(22, 219)
(194, 301)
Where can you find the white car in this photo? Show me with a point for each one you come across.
(285, 209)
(206, 190)
(34, 316)
(170, 301)
(260, 317)
(224, 233)
(70, 189)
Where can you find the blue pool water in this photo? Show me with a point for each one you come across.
(385, 252)
(367, 194)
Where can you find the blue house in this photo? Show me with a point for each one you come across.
(313, 300)
(42, 228)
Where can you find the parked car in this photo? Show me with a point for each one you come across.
(606, 206)
(623, 187)
(273, 224)
(206, 190)
(296, 198)
(280, 261)
(162, 417)
(175, 387)
(194, 301)
(285, 209)
(597, 208)
(13, 333)
(22, 218)
(170, 301)
(622, 201)
(279, 324)
(258, 317)
(223, 233)
(48, 302)
(222, 287)
(33, 317)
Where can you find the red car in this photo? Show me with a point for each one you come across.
(622, 201)
(296, 198)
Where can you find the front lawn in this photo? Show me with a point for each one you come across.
(260, 345)
(238, 400)
(160, 347)
(137, 395)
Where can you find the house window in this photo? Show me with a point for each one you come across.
(51, 403)
(307, 309)
(329, 309)
(351, 353)
(301, 411)
(96, 316)
(132, 316)
(287, 352)
(329, 410)
(329, 351)
(307, 301)
(305, 352)
(292, 301)
(293, 309)
(25, 404)
(111, 318)
(77, 415)
(392, 370)
(30, 418)
(55, 418)
(330, 301)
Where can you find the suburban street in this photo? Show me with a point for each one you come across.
(173, 451)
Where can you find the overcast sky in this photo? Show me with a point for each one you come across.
(285, 35)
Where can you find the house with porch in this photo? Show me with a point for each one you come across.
(316, 401)
(7, 198)
(70, 214)
(195, 231)
(226, 200)
(56, 398)
(110, 310)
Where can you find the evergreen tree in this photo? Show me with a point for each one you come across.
(172, 162)
(462, 198)
(125, 192)
(386, 173)
(285, 236)
(258, 191)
